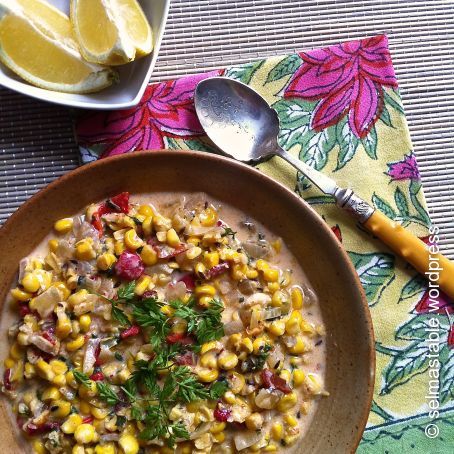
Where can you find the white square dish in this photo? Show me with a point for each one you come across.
(134, 76)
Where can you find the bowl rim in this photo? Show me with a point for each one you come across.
(277, 186)
(24, 88)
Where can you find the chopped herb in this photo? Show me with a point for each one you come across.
(218, 389)
(118, 356)
(82, 378)
(126, 292)
(107, 394)
(148, 314)
(205, 324)
(228, 232)
(119, 315)
(253, 363)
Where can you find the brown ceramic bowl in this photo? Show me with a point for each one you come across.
(340, 419)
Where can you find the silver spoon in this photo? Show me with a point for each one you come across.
(242, 124)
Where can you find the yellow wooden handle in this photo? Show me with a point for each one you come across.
(424, 258)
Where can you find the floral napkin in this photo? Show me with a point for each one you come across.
(340, 111)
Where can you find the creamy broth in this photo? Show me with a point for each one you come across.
(310, 365)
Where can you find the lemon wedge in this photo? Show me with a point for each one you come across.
(111, 32)
(43, 53)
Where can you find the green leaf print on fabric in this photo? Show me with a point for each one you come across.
(316, 147)
(295, 118)
(285, 67)
(348, 143)
(244, 73)
(385, 117)
(376, 272)
(401, 203)
(380, 411)
(415, 191)
(392, 102)
(370, 143)
(446, 389)
(383, 206)
(413, 287)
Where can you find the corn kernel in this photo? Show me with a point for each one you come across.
(277, 431)
(20, 295)
(271, 275)
(53, 245)
(204, 301)
(132, 240)
(293, 324)
(84, 249)
(229, 397)
(142, 285)
(75, 344)
(106, 448)
(16, 352)
(51, 393)
(251, 273)
(59, 380)
(227, 360)
(172, 238)
(207, 375)
(296, 295)
(38, 447)
(84, 322)
(236, 382)
(148, 255)
(23, 339)
(30, 283)
(287, 402)
(60, 408)
(63, 327)
(262, 265)
(78, 297)
(147, 225)
(217, 427)
(298, 377)
(290, 439)
(70, 380)
(209, 360)
(254, 421)
(99, 413)
(194, 252)
(64, 225)
(219, 437)
(291, 420)
(18, 371)
(207, 346)
(208, 217)
(167, 310)
(199, 269)
(78, 449)
(129, 444)
(299, 347)
(119, 247)
(277, 327)
(105, 261)
(270, 448)
(259, 343)
(146, 210)
(211, 259)
(86, 392)
(29, 370)
(9, 363)
(286, 375)
(44, 370)
(84, 434)
(85, 407)
(205, 290)
(59, 367)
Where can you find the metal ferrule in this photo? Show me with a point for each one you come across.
(355, 205)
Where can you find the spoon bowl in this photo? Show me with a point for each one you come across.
(237, 119)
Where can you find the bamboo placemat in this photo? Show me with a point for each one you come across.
(36, 139)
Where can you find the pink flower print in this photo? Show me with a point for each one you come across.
(407, 169)
(347, 79)
(166, 109)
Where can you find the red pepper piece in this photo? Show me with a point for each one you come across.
(24, 309)
(179, 338)
(130, 332)
(222, 413)
(97, 223)
(129, 266)
(217, 270)
(149, 294)
(188, 280)
(185, 359)
(97, 376)
(116, 204)
(49, 336)
(7, 380)
(97, 353)
(272, 381)
(34, 429)
(88, 419)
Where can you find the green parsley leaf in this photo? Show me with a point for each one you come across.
(126, 292)
(228, 232)
(188, 388)
(148, 314)
(82, 378)
(177, 430)
(119, 315)
(218, 389)
(107, 394)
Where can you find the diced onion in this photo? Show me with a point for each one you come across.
(272, 312)
(267, 399)
(233, 327)
(90, 354)
(245, 439)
